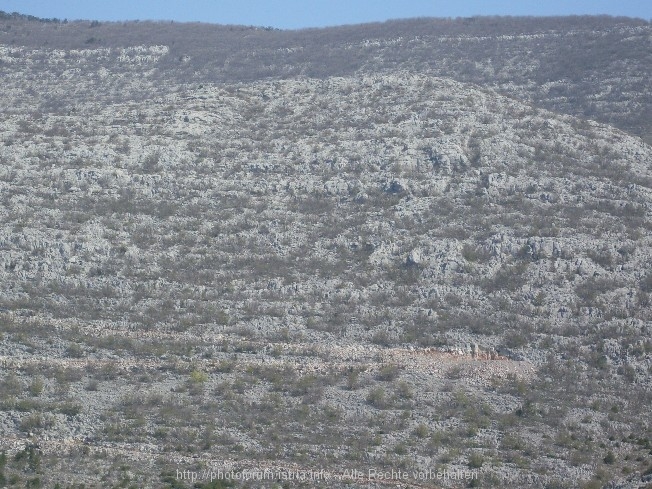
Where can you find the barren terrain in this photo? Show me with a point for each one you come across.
(392, 269)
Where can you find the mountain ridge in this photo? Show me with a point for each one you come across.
(586, 77)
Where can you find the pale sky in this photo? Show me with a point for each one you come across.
(293, 14)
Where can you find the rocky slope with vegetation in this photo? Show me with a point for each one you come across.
(212, 265)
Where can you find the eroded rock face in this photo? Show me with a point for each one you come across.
(320, 224)
(256, 173)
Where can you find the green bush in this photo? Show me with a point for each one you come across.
(36, 387)
(377, 397)
(198, 377)
(610, 458)
(353, 380)
(10, 386)
(70, 409)
(421, 431)
(35, 422)
(476, 460)
(388, 373)
(74, 350)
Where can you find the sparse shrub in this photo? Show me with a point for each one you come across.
(377, 397)
(604, 257)
(646, 283)
(517, 338)
(539, 299)
(70, 409)
(36, 387)
(151, 163)
(592, 288)
(353, 380)
(404, 391)
(65, 375)
(27, 405)
(74, 350)
(222, 318)
(304, 385)
(332, 413)
(473, 253)
(225, 366)
(381, 338)
(512, 442)
(593, 484)
(388, 373)
(400, 449)
(610, 458)
(508, 278)
(421, 431)
(10, 386)
(34, 422)
(476, 460)
(455, 372)
(198, 377)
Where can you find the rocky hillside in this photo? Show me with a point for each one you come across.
(379, 271)
(590, 67)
